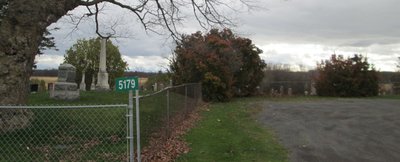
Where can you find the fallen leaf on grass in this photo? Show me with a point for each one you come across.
(165, 149)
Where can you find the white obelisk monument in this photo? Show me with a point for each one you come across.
(102, 76)
(82, 85)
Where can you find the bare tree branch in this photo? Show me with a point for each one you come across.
(165, 14)
(96, 14)
(90, 3)
(165, 19)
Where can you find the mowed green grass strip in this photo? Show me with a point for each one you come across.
(229, 132)
(86, 98)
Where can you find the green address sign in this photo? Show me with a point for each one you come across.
(126, 84)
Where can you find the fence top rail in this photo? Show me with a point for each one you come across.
(167, 88)
(61, 106)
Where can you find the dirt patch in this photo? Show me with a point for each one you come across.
(343, 130)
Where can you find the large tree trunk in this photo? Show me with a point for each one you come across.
(21, 30)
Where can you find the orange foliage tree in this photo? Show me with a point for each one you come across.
(351, 77)
(226, 65)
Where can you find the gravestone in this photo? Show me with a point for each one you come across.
(155, 87)
(161, 87)
(82, 85)
(281, 91)
(65, 88)
(313, 89)
(290, 92)
(93, 85)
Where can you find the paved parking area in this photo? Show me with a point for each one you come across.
(337, 130)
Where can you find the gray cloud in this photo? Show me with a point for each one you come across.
(326, 21)
(358, 26)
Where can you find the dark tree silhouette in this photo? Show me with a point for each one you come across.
(225, 64)
(351, 77)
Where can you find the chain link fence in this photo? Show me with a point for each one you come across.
(90, 132)
(66, 133)
(163, 108)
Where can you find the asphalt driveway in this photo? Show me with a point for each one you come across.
(337, 130)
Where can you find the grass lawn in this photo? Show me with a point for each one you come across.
(228, 132)
(390, 97)
(86, 98)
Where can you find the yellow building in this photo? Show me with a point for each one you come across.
(47, 80)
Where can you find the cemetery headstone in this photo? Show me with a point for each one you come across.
(313, 89)
(161, 86)
(93, 85)
(155, 87)
(290, 92)
(82, 85)
(65, 88)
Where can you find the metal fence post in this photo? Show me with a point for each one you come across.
(138, 126)
(130, 125)
(168, 104)
(186, 96)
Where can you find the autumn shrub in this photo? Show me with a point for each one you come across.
(225, 64)
(351, 77)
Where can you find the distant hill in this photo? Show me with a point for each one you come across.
(139, 74)
(48, 73)
(285, 75)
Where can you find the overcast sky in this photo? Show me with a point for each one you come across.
(288, 31)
